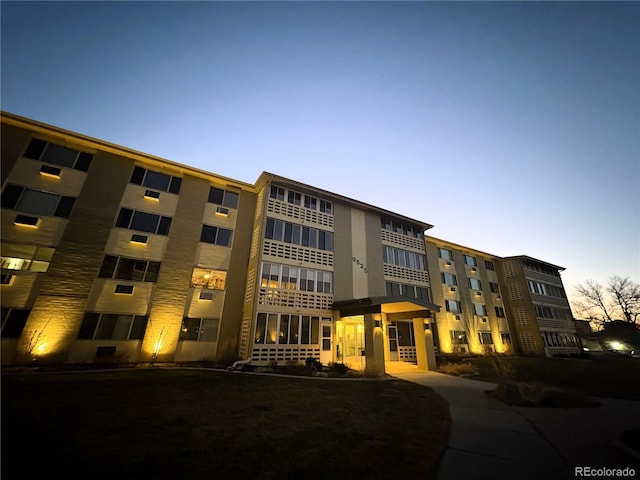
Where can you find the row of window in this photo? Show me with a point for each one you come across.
(295, 278)
(156, 180)
(474, 284)
(396, 226)
(58, 155)
(403, 258)
(129, 269)
(546, 289)
(536, 267)
(459, 337)
(558, 339)
(479, 309)
(295, 198)
(298, 235)
(26, 257)
(36, 202)
(284, 329)
(143, 222)
(446, 254)
(413, 291)
(553, 313)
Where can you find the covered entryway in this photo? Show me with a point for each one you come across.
(375, 330)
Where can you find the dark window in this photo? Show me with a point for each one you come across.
(130, 269)
(164, 226)
(138, 175)
(138, 328)
(216, 195)
(124, 218)
(145, 222)
(174, 187)
(499, 312)
(139, 238)
(151, 194)
(35, 149)
(13, 322)
(152, 272)
(157, 180)
(84, 161)
(190, 329)
(64, 207)
(230, 199)
(108, 266)
(11, 195)
(489, 265)
(208, 234)
(59, 155)
(106, 326)
(89, 324)
(224, 237)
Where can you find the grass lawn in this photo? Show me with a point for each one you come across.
(161, 423)
(604, 377)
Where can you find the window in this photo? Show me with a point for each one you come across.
(310, 202)
(144, 222)
(276, 193)
(458, 337)
(399, 227)
(469, 260)
(36, 202)
(325, 206)
(222, 197)
(475, 284)
(449, 279)
(216, 235)
(13, 322)
(494, 287)
(488, 264)
(294, 197)
(49, 171)
(26, 221)
(156, 180)
(505, 338)
(294, 278)
(485, 338)
(199, 329)
(403, 258)
(17, 256)
(58, 155)
(546, 289)
(298, 235)
(445, 254)
(479, 309)
(112, 326)
(499, 312)
(7, 279)
(285, 329)
(453, 306)
(129, 269)
(209, 278)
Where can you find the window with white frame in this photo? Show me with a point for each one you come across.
(480, 309)
(209, 278)
(112, 326)
(287, 329)
(226, 198)
(155, 180)
(469, 260)
(453, 306)
(143, 222)
(122, 268)
(17, 256)
(449, 279)
(445, 254)
(475, 284)
(58, 155)
(36, 202)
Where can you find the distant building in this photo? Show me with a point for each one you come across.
(113, 254)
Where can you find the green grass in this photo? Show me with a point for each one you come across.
(604, 377)
(157, 424)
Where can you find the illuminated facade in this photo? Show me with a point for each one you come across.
(109, 254)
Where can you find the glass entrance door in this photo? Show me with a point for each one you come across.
(392, 332)
(350, 343)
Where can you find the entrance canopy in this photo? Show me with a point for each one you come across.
(387, 304)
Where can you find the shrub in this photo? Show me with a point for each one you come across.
(457, 369)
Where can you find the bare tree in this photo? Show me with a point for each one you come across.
(618, 300)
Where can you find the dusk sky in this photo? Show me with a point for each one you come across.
(514, 128)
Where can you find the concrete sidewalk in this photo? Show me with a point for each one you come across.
(493, 441)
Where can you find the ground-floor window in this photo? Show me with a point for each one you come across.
(112, 326)
(287, 329)
(199, 329)
(13, 322)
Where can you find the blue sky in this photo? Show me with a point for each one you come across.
(514, 128)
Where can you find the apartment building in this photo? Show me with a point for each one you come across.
(538, 307)
(466, 284)
(110, 253)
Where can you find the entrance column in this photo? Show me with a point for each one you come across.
(374, 345)
(425, 351)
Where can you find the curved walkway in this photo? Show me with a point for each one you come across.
(493, 441)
